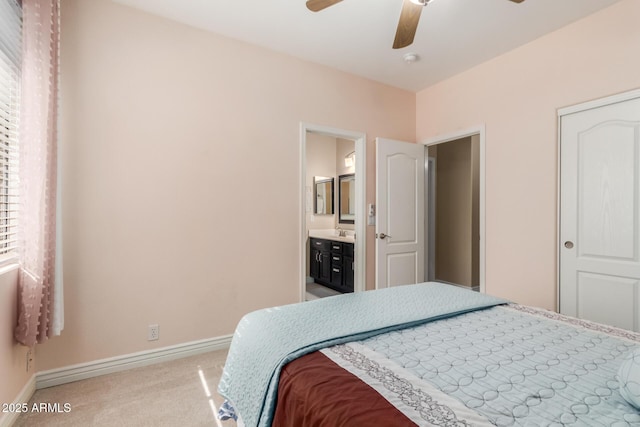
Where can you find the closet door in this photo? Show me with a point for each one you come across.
(599, 213)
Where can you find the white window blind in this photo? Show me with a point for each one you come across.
(10, 62)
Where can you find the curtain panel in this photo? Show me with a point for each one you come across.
(39, 300)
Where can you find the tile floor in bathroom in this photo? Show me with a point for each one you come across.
(315, 291)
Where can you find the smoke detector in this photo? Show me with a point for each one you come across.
(410, 57)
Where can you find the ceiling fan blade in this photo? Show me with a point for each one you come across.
(408, 24)
(317, 5)
(517, 1)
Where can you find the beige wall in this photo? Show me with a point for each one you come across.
(516, 96)
(158, 119)
(321, 161)
(343, 147)
(325, 157)
(13, 365)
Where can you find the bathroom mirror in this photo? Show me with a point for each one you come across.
(347, 199)
(323, 189)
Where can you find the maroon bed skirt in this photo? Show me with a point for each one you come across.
(314, 391)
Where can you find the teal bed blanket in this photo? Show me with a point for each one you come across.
(266, 340)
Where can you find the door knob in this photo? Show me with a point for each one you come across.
(383, 236)
(568, 244)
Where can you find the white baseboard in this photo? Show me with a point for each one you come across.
(96, 368)
(25, 395)
(473, 288)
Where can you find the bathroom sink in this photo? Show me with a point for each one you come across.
(332, 234)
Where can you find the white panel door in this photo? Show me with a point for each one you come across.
(400, 213)
(599, 214)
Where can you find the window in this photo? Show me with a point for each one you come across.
(10, 62)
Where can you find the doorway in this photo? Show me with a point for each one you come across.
(454, 209)
(405, 215)
(452, 212)
(310, 135)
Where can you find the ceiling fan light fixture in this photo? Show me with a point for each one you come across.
(421, 2)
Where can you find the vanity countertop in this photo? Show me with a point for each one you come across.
(331, 234)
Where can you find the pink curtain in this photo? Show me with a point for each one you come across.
(38, 173)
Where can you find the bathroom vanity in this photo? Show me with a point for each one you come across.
(331, 263)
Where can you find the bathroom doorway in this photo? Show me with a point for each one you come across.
(334, 159)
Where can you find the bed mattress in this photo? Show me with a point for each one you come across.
(504, 366)
(451, 358)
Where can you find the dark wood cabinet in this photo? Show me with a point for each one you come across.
(320, 260)
(331, 264)
(348, 266)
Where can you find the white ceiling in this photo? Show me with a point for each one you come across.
(356, 35)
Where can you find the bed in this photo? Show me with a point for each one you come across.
(428, 354)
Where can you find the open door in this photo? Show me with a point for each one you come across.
(400, 213)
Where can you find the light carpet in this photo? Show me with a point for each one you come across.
(165, 394)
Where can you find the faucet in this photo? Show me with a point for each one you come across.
(341, 232)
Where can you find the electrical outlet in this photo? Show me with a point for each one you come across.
(153, 333)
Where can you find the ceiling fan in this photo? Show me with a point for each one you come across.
(409, 17)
